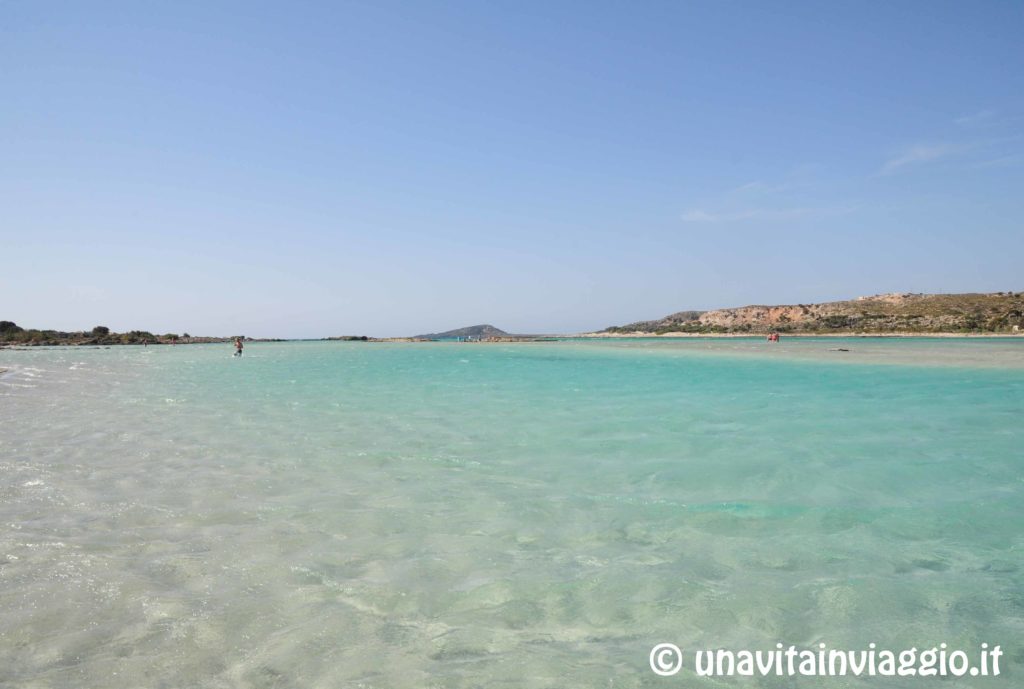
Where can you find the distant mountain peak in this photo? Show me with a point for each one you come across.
(474, 331)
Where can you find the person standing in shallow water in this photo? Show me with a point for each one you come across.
(238, 346)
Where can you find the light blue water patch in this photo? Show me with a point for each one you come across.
(461, 515)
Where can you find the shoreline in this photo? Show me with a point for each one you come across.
(680, 335)
(542, 339)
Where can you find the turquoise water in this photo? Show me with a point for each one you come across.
(524, 515)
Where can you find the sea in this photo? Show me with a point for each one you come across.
(393, 515)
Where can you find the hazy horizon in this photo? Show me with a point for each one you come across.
(391, 170)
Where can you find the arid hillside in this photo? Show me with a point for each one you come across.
(998, 312)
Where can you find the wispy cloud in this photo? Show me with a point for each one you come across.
(918, 155)
(798, 178)
(982, 117)
(758, 187)
(766, 200)
(975, 153)
(698, 215)
(1002, 161)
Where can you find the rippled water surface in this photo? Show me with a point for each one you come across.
(530, 515)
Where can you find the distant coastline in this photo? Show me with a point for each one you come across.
(12, 335)
(895, 315)
(747, 335)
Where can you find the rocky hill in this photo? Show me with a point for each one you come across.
(477, 332)
(998, 312)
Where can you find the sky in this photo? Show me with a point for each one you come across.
(309, 169)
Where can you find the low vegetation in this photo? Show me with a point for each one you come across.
(12, 334)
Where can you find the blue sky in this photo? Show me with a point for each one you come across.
(309, 169)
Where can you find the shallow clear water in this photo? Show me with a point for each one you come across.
(530, 515)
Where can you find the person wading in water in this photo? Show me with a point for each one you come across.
(238, 346)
